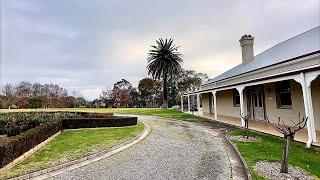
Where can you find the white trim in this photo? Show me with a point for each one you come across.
(288, 77)
(268, 69)
(210, 87)
(305, 79)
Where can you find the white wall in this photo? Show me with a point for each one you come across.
(225, 104)
(286, 114)
(205, 103)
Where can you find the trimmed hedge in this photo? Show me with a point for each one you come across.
(51, 123)
(107, 121)
(95, 115)
(15, 146)
(14, 123)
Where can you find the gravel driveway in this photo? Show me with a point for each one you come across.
(172, 150)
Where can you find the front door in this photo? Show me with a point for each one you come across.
(257, 101)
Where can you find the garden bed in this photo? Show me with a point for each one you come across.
(74, 145)
(270, 170)
(269, 148)
(27, 130)
(14, 146)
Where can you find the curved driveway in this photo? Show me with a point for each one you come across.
(172, 150)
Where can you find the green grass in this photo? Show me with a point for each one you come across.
(168, 113)
(270, 149)
(71, 145)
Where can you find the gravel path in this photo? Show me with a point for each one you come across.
(173, 150)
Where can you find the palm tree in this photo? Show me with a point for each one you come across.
(164, 61)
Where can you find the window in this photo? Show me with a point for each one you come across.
(283, 91)
(236, 98)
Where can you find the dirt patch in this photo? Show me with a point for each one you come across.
(245, 138)
(271, 170)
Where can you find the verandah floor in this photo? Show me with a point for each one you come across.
(262, 126)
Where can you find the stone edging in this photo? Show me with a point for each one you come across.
(28, 153)
(240, 156)
(68, 166)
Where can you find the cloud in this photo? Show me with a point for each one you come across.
(224, 61)
(88, 45)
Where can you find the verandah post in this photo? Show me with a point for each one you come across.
(240, 90)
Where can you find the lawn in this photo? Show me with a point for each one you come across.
(270, 149)
(168, 113)
(71, 145)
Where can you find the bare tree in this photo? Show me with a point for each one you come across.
(9, 93)
(28, 95)
(288, 135)
(245, 117)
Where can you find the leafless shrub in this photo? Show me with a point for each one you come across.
(288, 135)
(245, 117)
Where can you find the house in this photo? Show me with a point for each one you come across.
(282, 81)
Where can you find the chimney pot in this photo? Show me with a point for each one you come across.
(246, 43)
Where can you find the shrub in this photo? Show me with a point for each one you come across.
(30, 129)
(13, 147)
(1, 104)
(13, 124)
(108, 121)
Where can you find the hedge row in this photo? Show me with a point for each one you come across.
(92, 115)
(107, 121)
(12, 124)
(15, 146)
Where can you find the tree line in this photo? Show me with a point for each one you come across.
(148, 93)
(36, 95)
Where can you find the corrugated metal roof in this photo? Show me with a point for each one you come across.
(299, 45)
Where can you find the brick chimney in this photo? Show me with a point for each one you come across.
(246, 43)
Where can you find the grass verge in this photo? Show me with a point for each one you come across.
(72, 145)
(270, 149)
(168, 113)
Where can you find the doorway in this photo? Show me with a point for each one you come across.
(257, 103)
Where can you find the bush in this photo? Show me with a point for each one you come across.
(30, 129)
(13, 147)
(36, 102)
(89, 115)
(108, 121)
(1, 104)
(13, 124)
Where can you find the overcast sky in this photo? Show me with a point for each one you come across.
(86, 45)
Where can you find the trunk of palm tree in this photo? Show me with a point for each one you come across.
(165, 92)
